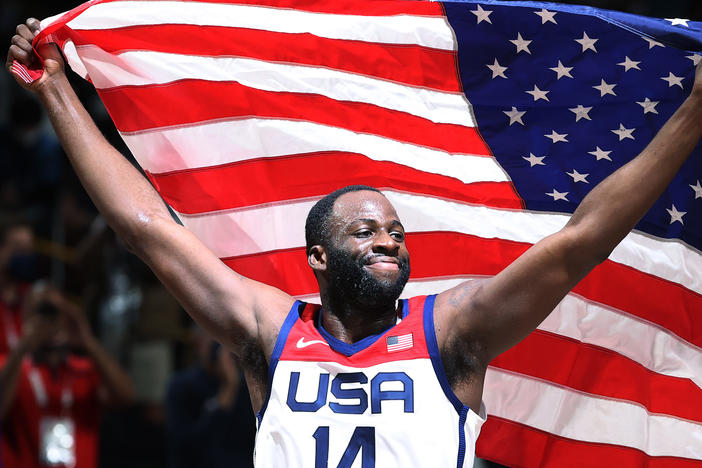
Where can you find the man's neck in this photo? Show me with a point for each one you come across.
(351, 323)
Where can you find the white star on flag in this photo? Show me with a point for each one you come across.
(673, 80)
(678, 22)
(581, 112)
(497, 70)
(652, 43)
(558, 195)
(629, 64)
(482, 15)
(561, 70)
(538, 94)
(649, 106)
(600, 154)
(515, 115)
(676, 215)
(624, 133)
(521, 43)
(698, 190)
(578, 177)
(587, 42)
(604, 88)
(546, 16)
(535, 160)
(696, 58)
(556, 137)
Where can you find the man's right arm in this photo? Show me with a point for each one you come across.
(234, 309)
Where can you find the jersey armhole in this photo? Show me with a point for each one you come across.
(435, 355)
(290, 320)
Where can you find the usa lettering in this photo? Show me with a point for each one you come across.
(354, 399)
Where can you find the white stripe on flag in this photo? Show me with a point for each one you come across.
(401, 29)
(141, 68)
(218, 143)
(576, 415)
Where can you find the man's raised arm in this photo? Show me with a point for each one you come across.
(496, 314)
(236, 310)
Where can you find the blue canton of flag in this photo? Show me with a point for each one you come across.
(565, 95)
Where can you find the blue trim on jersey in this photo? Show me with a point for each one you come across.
(462, 437)
(405, 308)
(290, 320)
(433, 348)
(349, 349)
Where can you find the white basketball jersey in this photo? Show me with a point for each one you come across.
(381, 402)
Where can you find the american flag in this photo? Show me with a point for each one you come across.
(484, 123)
(399, 342)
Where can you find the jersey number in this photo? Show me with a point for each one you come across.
(362, 440)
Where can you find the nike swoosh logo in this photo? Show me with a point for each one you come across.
(303, 344)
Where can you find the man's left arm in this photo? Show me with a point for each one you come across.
(498, 313)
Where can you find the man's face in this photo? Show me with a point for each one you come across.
(367, 258)
(17, 256)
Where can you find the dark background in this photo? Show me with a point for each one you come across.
(133, 315)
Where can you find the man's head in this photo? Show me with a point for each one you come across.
(356, 246)
(17, 255)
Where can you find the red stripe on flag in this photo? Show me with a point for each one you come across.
(600, 371)
(403, 63)
(140, 108)
(297, 176)
(513, 444)
(629, 290)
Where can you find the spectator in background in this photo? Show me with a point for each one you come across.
(52, 386)
(208, 412)
(17, 270)
(31, 159)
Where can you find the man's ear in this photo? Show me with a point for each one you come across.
(317, 258)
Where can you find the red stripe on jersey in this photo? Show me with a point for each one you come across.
(305, 343)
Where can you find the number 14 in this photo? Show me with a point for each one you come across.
(363, 440)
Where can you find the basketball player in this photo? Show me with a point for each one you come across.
(364, 379)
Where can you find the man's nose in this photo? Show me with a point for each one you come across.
(385, 243)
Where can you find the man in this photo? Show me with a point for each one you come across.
(51, 396)
(364, 380)
(17, 270)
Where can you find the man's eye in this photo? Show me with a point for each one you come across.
(399, 236)
(362, 233)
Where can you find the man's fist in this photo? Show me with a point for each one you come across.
(28, 69)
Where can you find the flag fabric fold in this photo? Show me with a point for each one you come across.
(485, 124)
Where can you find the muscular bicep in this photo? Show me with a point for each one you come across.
(234, 309)
(499, 312)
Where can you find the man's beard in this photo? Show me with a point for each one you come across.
(351, 283)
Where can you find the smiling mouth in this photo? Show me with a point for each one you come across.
(383, 263)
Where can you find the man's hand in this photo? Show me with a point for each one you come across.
(49, 60)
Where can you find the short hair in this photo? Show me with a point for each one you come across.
(317, 223)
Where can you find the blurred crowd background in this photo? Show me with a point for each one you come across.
(165, 395)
